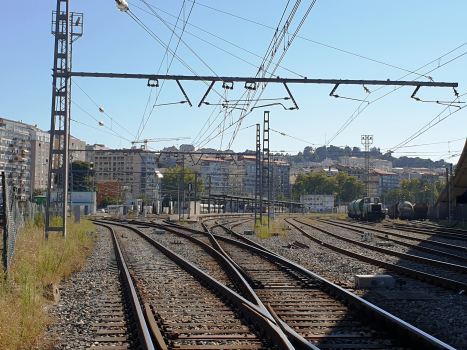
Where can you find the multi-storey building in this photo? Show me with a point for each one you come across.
(128, 168)
(280, 172)
(40, 143)
(16, 158)
(91, 148)
(352, 171)
(215, 173)
(382, 182)
(385, 165)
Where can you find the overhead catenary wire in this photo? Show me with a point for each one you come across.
(171, 61)
(429, 125)
(310, 40)
(217, 37)
(360, 110)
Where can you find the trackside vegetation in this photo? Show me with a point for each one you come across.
(36, 266)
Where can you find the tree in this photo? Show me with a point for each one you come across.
(108, 200)
(171, 181)
(83, 176)
(342, 186)
(38, 192)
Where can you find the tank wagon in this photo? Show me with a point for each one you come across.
(367, 209)
(420, 211)
(408, 211)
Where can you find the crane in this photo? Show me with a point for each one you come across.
(145, 141)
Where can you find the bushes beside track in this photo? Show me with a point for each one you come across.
(36, 266)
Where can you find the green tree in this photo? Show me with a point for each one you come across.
(83, 176)
(171, 182)
(38, 192)
(108, 200)
(342, 186)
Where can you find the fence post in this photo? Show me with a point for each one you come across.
(4, 217)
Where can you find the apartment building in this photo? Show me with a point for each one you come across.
(216, 174)
(91, 148)
(16, 158)
(130, 169)
(385, 165)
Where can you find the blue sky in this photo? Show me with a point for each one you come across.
(406, 34)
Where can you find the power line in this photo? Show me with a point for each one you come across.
(310, 40)
(217, 37)
(358, 111)
(171, 61)
(100, 108)
(429, 125)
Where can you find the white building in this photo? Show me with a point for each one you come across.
(384, 165)
(319, 203)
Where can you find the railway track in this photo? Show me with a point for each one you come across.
(427, 240)
(304, 302)
(115, 330)
(435, 232)
(428, 270)
(187, 308)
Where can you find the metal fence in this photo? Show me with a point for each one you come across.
(15, 215)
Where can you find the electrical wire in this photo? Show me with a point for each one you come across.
(284, 134)
(429, 125)
(217, 37)
(115, 133)
(310, 40)
(113, 121)
(166, 54)
(358, 111)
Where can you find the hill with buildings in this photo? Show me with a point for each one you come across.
(333, 152)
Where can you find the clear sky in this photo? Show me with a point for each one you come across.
(404, 34)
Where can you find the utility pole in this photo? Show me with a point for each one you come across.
(367, 140)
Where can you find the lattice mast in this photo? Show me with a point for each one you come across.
(266, 174)
(258, 184)
(67, 27)
(367, 140)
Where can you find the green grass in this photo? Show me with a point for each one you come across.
(276, 226)
(38, 264)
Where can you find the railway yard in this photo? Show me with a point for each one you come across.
(155, 284)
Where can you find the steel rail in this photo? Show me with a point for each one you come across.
(436, 280)
(434, 232)
(397, 241)
(418, 259)
(440, 244)
(246, 282)
(416, 338)
(144, 336)
(266, 323)
(257, 79)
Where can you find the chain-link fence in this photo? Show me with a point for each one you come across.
(15, 215)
